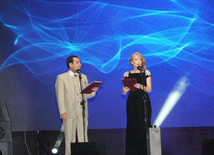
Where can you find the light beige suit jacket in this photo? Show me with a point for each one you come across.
(68, 98)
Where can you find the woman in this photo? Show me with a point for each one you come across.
(136, 143)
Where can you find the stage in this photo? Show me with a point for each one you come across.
(174, 141)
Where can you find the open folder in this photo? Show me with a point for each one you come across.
(88, 89)
(130, 82)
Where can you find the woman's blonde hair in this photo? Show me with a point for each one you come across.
(141, 58)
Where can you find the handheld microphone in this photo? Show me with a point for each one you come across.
(139, 68)
(78, 71)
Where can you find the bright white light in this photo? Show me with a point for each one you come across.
(58, 142)
(54, 150)
(171, 101)
(60, 138)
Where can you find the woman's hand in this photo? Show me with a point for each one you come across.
(138, 86)
(125, 90)
(147, 88)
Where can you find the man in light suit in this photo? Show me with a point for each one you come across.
(69, 100)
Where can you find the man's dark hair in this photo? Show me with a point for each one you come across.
(70, 60)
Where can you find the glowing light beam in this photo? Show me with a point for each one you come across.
(172, 100)
(58, 142)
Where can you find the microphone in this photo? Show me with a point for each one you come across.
(139, 68)
(78, 71)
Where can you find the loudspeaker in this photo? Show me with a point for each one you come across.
(5, 131)
(6, 144)
(208, 147)
(155, 141)
(89, 148)
(4, 115)
(6, 148)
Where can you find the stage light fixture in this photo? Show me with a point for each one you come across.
(54, 150)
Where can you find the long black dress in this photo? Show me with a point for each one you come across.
(136, 143)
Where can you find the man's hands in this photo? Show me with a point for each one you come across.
(64, 116)
(95, 89)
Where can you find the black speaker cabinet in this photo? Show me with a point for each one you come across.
(4, 115)
(6, 144)
(208, 147)
(89, 148)
(6, 148)
(5, 131)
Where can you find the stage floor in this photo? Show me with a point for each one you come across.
(174, 141)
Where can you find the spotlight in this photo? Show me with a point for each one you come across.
(54, 150)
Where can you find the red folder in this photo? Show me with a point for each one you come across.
(88, 89)
(130, 82)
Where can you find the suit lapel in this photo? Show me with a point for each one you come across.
(71, 81)
(69, 78)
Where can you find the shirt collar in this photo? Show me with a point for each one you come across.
(72, 73)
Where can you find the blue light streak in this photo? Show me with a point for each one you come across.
(96, 30)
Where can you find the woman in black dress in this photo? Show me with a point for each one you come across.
(136, 142)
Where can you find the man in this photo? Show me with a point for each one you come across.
(69, 100)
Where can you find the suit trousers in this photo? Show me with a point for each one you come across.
(71, 127)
